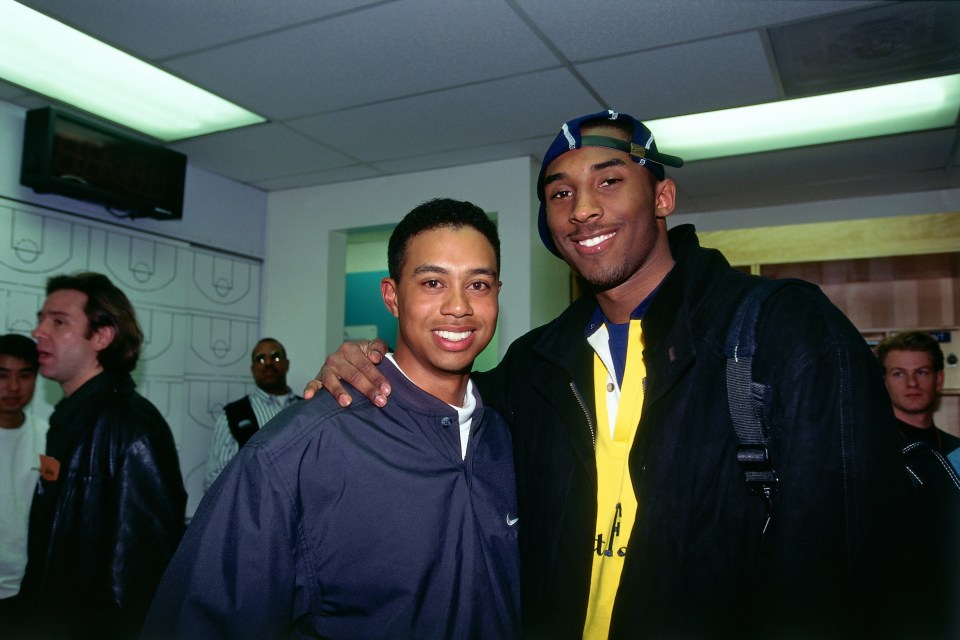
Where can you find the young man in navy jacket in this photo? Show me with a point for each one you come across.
(361, 522)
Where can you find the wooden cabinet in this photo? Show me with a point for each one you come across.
(889, 292)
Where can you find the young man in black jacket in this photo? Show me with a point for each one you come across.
(635, 517)
(913, 364)
(108, 511)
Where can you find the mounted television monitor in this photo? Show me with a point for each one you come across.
(71, 156)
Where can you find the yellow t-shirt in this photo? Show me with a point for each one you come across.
(618, 411)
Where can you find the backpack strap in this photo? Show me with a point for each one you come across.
(747, 398)
(928, 467)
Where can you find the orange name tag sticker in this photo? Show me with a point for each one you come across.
(49, 468)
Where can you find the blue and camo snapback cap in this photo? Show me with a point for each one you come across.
(642, 148)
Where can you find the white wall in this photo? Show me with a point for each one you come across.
(306, 245)
(199, 306)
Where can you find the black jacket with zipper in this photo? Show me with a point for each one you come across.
(696, 565)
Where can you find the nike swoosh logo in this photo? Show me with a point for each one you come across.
(512, 521)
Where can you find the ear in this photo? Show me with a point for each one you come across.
(940, 380)
(388, 289)
(102, 338)
(666, 197)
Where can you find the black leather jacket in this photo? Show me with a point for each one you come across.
(696, 566)
(102, 533)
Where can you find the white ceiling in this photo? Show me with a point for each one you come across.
(358, 88)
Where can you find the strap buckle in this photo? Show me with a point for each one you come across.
(754, 457)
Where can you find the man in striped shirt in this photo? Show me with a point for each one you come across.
(244, 417)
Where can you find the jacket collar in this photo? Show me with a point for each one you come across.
(416, 399)
(75, 414)
(101, 384)
(564, 337)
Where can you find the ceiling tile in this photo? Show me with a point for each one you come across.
(10, 91)
(718, 73)
(260, 152)
(311, 179)
(370, 56)
(586, 30)
(533, 147)
(472, 116)
(157, 29)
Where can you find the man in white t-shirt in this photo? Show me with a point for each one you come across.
(22, 437)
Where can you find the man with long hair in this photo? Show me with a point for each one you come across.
(109, 508)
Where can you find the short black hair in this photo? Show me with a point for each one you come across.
(21, 347)
(911, 341)
(283, 351)
(435, 214)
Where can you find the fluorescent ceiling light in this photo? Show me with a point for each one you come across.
(50, 58)
(918, 105)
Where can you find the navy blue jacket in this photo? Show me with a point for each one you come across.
(353, 523)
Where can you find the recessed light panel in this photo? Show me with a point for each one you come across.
(919, 105)
(52, 59)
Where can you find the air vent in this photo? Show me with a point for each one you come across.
(895, 42)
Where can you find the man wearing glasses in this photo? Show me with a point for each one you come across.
(244, 417)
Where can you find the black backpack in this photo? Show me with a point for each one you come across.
(936, 486)
(929, 470)
(747, 399)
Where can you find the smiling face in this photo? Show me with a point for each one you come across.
(912, 383)
(606, 216)
(446, 304)
(18, 378)
(68, 354)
